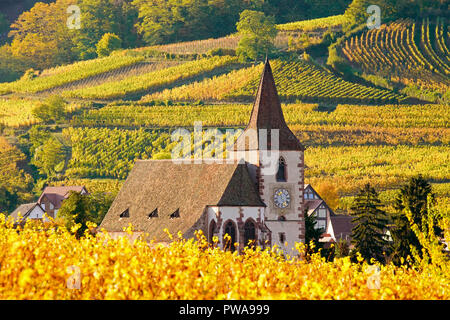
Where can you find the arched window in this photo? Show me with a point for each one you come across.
(230, 229)
(281, 173)
(212, 230)
(249, 233)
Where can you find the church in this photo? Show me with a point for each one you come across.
(241, 198)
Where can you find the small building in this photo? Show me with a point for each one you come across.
(52, 198)
(340, 228)
(28, 211)
(318, 207)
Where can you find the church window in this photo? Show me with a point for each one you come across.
(153, 214)
(125, 214)
(212, 230)
(175, 214)
(230, 229)
(281, 218)
(282, 237)
(281, 173)
(249, 233)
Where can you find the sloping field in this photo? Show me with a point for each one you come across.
(295, 79)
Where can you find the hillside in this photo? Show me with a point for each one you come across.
(405, 52)
(124, 107)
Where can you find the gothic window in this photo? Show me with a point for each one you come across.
(153, 214)
(249, 233)
(230, 229)
(125, 214)
(282, 237)
(281, 173)
(175, 214)
(212, 230)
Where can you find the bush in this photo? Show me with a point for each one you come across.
(107, 44)
(221, 52)
(52, 110)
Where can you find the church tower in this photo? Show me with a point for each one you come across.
(275, 159)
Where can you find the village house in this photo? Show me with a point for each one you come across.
(49, 203)
(242, 199)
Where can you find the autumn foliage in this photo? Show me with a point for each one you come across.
(53, 264)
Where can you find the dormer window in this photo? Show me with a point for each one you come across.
(281, 173)
(175, 214)
(153, 214)
(125, 214)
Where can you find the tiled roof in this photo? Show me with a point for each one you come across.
(267, 114)
(342, 226)
(57, 194)
(167, 186)
(24, 210)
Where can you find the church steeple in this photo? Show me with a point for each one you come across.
(267, 114)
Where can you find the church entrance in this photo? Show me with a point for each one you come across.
(249, 233)
(230, 229)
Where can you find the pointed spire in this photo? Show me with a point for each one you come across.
(267, 112)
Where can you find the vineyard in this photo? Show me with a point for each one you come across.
(314, 24)
(231, 42)
(12, 175)
(122, 269)
(154, 80)
(349, 147)
(115, 75)
(17, 112)
(404, 50)
(70, 73)
(295, 80)
(307, 82)
(229, 115)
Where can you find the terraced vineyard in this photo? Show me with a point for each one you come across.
(114, 75)
(295, 79)
(332, 22)
(230, 115)
(154, 80)
(70, 73)
(17, 112)
(312, 27)
(305, 81)
(405, 50)
(215, 89)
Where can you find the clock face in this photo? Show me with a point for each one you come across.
(281, 198)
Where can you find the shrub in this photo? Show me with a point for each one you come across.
(107, 44)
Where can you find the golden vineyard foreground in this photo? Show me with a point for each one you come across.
(53, 264)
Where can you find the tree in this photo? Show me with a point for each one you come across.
(258, 33)
(50, 157)
(370, 223)
(312, 233)
(4, 26)
(37, 136)
(107, 44)
(8, 200)
(98, 17)
(81, 209)
(167, 21)
(413, 196)
(52, 110)
(328, 192)
(41, 36)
